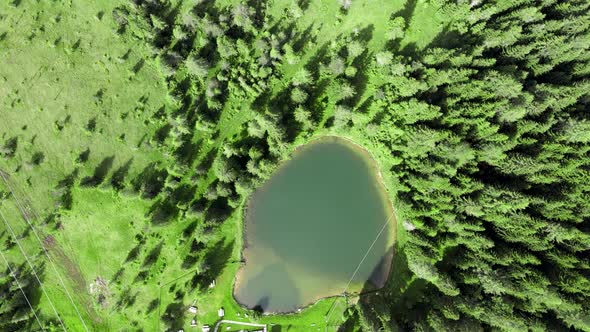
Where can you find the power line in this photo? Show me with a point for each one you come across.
(361, 262)
(32, 269)
(367, 253)
(22, 291)
(43, 249)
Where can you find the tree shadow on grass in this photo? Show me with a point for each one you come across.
(206, 162)
(174, 316)
(10, 146)
(188, 151)
(163, 211)
(100, 173)
(150, 181)
(153, 255)
(118, 177)
(407, 12)
(215, 261)
(361, 79)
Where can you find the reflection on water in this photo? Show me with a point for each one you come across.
(310, 226)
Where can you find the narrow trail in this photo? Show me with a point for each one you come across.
(225, 321)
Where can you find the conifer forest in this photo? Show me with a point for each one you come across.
(133, 134)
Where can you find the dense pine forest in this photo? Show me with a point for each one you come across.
(482, 133)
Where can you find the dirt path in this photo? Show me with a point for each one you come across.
(225, 321)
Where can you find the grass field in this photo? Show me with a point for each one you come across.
(70, 84)
(75, 95)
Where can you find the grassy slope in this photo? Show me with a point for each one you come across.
(98, 232)
(47, 83)
(53, 294)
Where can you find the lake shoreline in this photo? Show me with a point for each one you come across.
(372, 164)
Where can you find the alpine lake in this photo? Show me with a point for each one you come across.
(321, 225)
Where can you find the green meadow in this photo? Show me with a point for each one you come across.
(134, 133)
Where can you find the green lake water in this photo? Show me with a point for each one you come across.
(310, 225)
